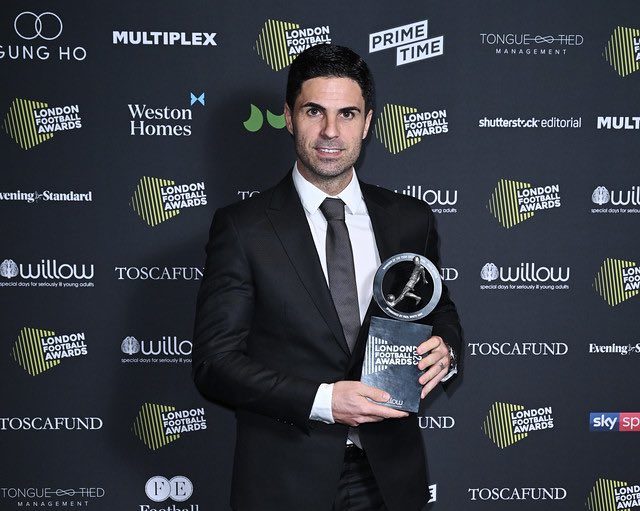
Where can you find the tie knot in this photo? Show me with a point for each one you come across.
(332, 209)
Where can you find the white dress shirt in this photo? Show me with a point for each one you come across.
(366, 259)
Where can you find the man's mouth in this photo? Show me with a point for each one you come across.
(328, 150)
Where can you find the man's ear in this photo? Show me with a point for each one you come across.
(367, 123)
(287, 118)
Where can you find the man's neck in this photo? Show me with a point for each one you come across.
(330, 185)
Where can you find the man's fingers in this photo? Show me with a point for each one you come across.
(374, 413)
(433, 382)
(441, 365)
(430, 344)
(435, 355)
(378, 395)
(354, 403)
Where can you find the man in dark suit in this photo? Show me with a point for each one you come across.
(284, 308)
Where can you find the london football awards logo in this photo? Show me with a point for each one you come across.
(31, 122)
(617, 280)
(280, 42)
(507, 424)
(159, 425)
(513, 202)
(623, 50)
(399, 127)
(609, 494)
(157, 200)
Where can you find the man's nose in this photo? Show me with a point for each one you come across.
(330, 128)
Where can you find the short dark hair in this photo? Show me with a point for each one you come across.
(330, 60)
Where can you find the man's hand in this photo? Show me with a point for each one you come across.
(350, 405)
(437, 361)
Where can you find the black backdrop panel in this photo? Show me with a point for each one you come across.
(106, 106)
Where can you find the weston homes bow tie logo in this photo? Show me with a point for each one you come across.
(609, 495)
(159, 425)
(165, 120)
(411, 42)
(617, 280)
(507, 423)
(31, 122)
(623, 50)
(513, 202)
(37, 350)
(280, 42)
(399, 127)
(157, 200)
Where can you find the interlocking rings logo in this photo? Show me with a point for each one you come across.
(30, 25)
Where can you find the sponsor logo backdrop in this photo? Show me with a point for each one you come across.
(122, 130)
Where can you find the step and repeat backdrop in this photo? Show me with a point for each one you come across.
(124, 126)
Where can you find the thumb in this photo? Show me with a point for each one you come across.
(374, 393)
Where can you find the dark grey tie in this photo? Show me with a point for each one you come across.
(342, 276)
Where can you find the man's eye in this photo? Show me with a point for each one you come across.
(348, 115)
(313, 111)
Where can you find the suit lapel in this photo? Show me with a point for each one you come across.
(290, 224)
(382, 221)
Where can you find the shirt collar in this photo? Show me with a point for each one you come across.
(311, 196)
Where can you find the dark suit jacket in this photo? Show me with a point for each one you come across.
(267, 334)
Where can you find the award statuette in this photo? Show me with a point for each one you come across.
(391, 357)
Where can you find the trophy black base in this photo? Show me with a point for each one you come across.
(391, 361)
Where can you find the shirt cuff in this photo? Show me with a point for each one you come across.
(321, 409)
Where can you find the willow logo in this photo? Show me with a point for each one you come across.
(156, 200)
(159, 425)
(435, 198)
(256, 120)
(611, 495)
(513, 202)
(46, 273)
(381, 355)
(617, 280)
(623, 50)
(30, 122)
(525, 276)
(280, 42)
(37, 350)
(629, 198)
(411, 41)
(507, 424)
(399, 127)
(168, 350)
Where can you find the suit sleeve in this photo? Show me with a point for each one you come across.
(222, 369)
(444, 318)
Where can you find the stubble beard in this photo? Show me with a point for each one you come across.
(329, 171)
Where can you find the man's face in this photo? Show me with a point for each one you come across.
(328, 123)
